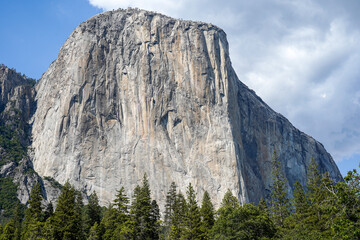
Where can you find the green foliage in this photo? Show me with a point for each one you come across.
(49, 212)
(241, 222)
(324, 211)
(53, 182)
(280, 204)
(224, 227)
(192, 220)
(8, 231)
(300, 201)
(8, 197)
(78, 218)
(14, 137)
(296, 223)
(207, 215)
(33, 226)
(109, 223)
(141, 209)
(229, 200)
(34, 210)
(95, 232)
(14, 140)
(262, 205)
(320, 190)
(177, 219)
(92, 213)
(66, 221)
(170, 204)
(347, 222)
(17, 220)
(122, 201)
(116, 222)
(154, 221)
(14, 150)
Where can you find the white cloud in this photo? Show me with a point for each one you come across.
(302, 57)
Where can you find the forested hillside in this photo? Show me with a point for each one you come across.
(15, 106)
(17, 175)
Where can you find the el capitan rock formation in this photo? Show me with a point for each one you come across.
(136, 92)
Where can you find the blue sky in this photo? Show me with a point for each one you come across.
(34, 31)
(300, 56)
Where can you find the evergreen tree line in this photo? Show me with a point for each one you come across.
(320, 210)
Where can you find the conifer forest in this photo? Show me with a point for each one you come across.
(320, 210)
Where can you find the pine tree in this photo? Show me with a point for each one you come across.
(92, 212)
(78, 218)
(300, 200)
(141, 211)
(9, 231)
(250, 222)
(313, 182)
(64, 224)
(229, 200)
(154, 220)
(34, 209)
(280, 203)
(296, 227)
(242, 222)
(316, 194)
(122, 201)
(313, 195)
(327, 205)
(49, 229)
(169, 209)
(207, 215)
(116, 223)
(136, 214)
(312, 218)
(124, 231)
(225, 224)
(192, 222)
(109, 223)
(49, 211)
(170, 204)
(95, 232)
(33, 226)
(178, 217)
(262, 205)
(347, 210)
(17, 217)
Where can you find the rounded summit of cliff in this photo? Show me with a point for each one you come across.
(139, 16)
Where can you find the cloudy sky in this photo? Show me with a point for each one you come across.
(302, 57)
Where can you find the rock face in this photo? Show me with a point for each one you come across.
(17, 104)
(16, 98)
(136, 92)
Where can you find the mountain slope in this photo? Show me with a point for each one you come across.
(17, 176)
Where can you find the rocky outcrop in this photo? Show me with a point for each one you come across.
(16, 100)
(136, 92)
(17, 105)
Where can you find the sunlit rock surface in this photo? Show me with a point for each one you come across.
(136, 92)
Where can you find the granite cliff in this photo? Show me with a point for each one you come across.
(136, 92)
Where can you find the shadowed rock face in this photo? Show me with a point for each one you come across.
(16, 107)
(135, 92)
